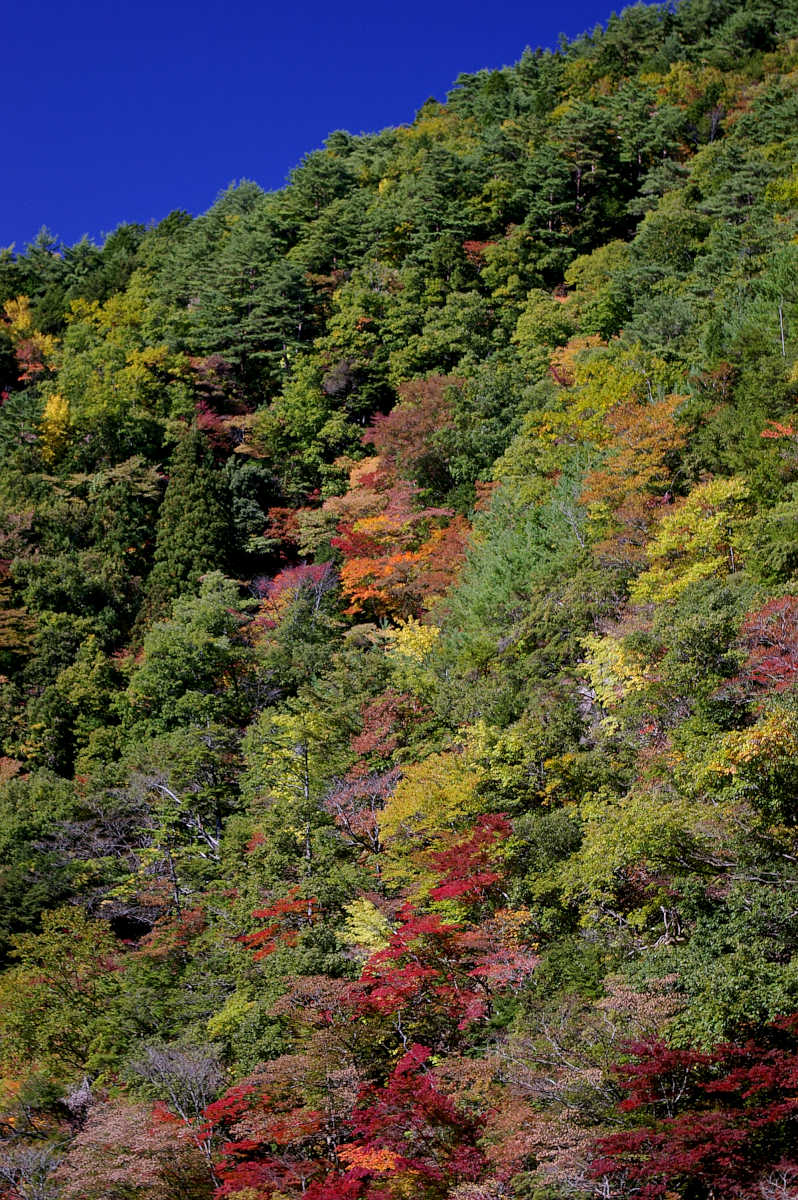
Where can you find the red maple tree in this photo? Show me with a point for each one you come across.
(718, 1124)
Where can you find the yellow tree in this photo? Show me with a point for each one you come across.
(34, 350)
(434, 799)
(702, 536)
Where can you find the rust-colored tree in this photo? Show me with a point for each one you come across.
(770, 636)
(627, 492)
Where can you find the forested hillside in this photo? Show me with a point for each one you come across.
(399, 652)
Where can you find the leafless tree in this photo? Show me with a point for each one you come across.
(780, 1184)
(26, 1171)
(187, 1078)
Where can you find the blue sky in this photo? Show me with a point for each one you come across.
(118, 112)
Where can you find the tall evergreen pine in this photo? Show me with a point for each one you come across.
(193, 529)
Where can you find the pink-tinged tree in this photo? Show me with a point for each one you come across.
(387, 722)
(277, 595)
(125, 1150)
(219, 404)
(405, 437)
(355, 802)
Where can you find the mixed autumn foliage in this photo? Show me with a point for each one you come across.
(399, 654)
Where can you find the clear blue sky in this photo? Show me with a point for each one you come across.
(122, 112)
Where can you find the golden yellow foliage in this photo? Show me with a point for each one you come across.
(614, 669)
(410, 647)
(34, 349)
(18, 317)
(702, 536)
(773, 739)
(54, 426)
(435, 798)
(365, 926)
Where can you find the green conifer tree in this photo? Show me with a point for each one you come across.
(193, 526)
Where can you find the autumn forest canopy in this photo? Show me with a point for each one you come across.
(399, 655)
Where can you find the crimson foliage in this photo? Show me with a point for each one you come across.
(721, 1124)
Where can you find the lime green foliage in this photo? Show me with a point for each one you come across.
(411, 650)
(111, 377)
(704, 536)
(366, 927)
(435, 798)
(56, 997)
